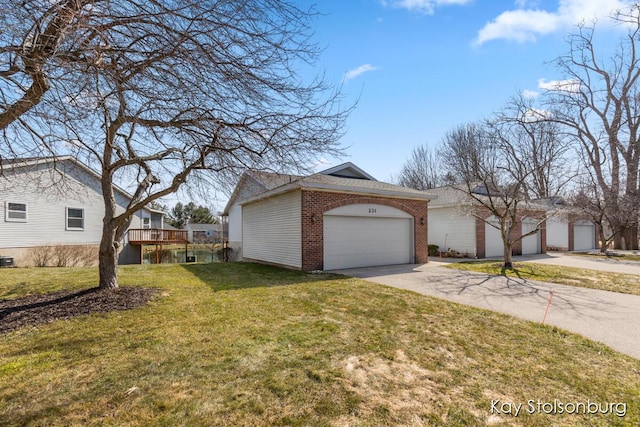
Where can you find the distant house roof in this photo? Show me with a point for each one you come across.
(270, 184)
(456, 195)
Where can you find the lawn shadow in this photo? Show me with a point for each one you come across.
(222, 276)
(37, 309)
(44, 300)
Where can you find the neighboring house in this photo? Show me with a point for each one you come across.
(339, 218)
(568, 230)
(203, 233)
(455, 227)
(58, 202)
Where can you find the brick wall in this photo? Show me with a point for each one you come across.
(316, 203)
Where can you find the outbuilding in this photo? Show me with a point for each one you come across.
(335, 219)
(458, 224)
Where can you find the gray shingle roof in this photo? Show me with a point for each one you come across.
(451, 195)
(329, 182)
(271, 180)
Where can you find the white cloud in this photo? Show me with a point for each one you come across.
(523, 25)
(535, 114)
(518, 25)
(572, 86)
(530, 94)
(352, 74)
(424, 6)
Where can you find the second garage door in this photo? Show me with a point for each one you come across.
(583, 236)
(367, 235)
(493, 245)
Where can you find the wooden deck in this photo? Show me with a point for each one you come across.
(156, 236)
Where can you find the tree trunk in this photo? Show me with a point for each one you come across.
(603, 244)
(508, 263)
(630, 236)
(108, 258)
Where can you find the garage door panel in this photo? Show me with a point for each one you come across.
(583, 237)
(494, 246)
(530, 244)
(351, 242)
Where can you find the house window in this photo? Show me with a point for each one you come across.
(15, 212)
(75, 219)
(146, 222)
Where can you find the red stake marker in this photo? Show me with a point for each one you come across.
(548, 305)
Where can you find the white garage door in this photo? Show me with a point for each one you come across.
(493, 245)
(367, 235)
(583, 237)
(530, 244)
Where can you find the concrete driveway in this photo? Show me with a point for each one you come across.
(608, 317)
(612, 264)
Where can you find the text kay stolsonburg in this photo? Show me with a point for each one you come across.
(557, 407)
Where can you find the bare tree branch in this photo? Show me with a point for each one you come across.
(154, 92)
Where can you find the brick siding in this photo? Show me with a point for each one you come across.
(316, 203)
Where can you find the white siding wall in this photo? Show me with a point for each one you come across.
(235, 224)
(48, 193)
(449, 228)
(272, 230)
(47, 196)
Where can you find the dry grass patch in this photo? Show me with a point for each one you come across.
(250, 345)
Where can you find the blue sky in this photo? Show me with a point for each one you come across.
(422, 67)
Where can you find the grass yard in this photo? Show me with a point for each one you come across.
(603, 280)
(246, 345)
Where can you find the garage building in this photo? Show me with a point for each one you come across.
(458, 224)
(335, 219)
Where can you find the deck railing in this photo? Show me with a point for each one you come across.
(157, 235)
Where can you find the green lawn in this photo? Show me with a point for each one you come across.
(246, 345)
(603, 280)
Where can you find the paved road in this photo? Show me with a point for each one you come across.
(608, 317)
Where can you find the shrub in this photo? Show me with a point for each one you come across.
(224, 254)
(64, 255)
(433, 250)
(41, 256)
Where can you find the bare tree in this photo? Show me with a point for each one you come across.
(598, 103)
(542, 150)
(153, 93)
(493, 176)
(588, 199)
(423, 169)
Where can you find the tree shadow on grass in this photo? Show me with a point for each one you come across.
(38, 309)
(245, 275)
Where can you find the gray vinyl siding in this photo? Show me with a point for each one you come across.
(272, 230)
(48, 193)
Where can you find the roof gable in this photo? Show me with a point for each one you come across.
(348, 170)
(256, 185)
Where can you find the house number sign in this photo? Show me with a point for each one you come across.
(372, 210)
